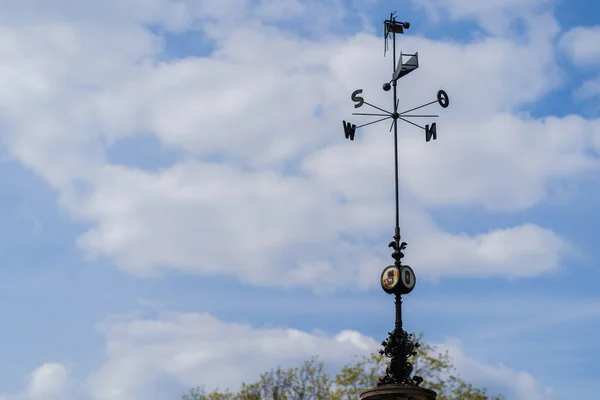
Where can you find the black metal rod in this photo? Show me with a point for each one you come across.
(374, 115)
(380, 109)
(398, 303)
(397, 228)
(399, 358)
(420, 116)
(373, 122)
(412, 123)
(416, 108)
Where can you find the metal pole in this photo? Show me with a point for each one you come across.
(399, 359)
(395, 116)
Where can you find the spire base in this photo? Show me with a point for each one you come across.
(398, 392)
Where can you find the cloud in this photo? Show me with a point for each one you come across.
(50, 381)
(503, 163)
(154, 358)
(174, 15)
(196, 349)
(202, 218)
(580, 45)
(588, 90)
(268, 192)
(495, 16)
(517, 385)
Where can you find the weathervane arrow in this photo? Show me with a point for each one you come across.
(397, 279)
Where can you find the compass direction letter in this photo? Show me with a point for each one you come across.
(430, 132)
(357, 99)
(349, 130)
(443, 99)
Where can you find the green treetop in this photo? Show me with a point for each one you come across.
(311, 382)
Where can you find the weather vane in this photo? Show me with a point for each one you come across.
(397, 279)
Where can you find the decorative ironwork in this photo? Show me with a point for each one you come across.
(397, 279)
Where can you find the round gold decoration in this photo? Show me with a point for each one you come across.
(390, 278)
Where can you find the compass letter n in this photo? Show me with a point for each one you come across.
(430, 132)
(349, 130)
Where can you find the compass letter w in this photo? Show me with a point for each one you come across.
(430, 132)
(349, 130)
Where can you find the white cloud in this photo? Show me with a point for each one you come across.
(191, 349)
(48, 382)
(147, 216)
(517, 385)
(196, 349)
(252, 102)
(174, 14)
(581, 45)
(588, 90)
(495, 16)
(504, 163)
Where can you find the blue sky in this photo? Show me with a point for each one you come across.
(169, 211)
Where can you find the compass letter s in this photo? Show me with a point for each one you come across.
(357, 99)
(349, 130)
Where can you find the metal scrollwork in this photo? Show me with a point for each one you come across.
(399, 347)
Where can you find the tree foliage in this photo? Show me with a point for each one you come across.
(311, 382)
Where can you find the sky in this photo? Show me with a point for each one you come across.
(180, 207)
